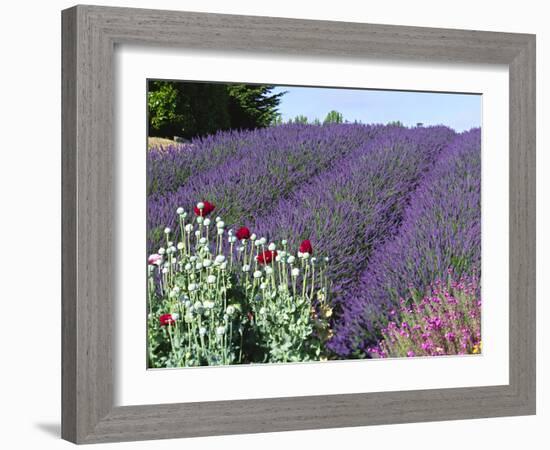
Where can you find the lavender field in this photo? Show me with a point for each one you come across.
(302, 242)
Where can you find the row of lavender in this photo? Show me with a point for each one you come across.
(258, 169)
(439, 239)
(350, 209)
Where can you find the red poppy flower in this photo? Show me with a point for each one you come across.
(266, 257)
(207, 209)
(243, 233)
(306, 247)
(166, 319)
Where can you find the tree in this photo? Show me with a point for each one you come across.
(396, 123)
(300, 119)
(189, 109)
(333, 117)
(252, 105)
(277, 120)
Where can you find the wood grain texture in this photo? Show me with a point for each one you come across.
(88, 198)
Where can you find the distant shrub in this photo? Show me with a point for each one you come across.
(334, 117)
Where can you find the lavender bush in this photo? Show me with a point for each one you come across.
(440, 230)
(169, 167)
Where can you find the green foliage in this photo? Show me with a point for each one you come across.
(300, 119)
(251, 105)
(163, 105)
(395, 123)
(334, 117)
(189, 109)
(277, 120)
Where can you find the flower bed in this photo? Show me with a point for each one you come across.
(255, 303)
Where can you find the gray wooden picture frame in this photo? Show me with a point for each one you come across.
(90, 34)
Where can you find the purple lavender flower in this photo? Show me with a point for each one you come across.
(254, 173)
(441, 229)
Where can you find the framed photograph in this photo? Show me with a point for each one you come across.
(278, 224)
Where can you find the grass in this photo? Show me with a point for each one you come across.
(157, 141)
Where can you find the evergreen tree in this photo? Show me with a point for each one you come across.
(252, 105)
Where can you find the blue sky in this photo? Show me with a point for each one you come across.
(458, 111)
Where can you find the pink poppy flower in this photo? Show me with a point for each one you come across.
(155, 259)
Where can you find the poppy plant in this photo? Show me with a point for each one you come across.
(266, 257)
(243, 233)
(166, 319)
(306, 247)
(206, 209)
